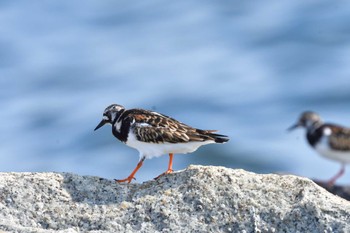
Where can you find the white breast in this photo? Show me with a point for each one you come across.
(150, 150)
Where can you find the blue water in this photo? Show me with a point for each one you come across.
(246, 69)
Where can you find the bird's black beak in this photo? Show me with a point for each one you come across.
(293, 127)
(102, 123)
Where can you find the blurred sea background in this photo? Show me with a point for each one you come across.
(246, 68)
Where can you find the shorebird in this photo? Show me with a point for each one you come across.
(329, 140)
(154, 134)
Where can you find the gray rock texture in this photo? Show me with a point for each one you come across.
(198, 199)
(339, 190)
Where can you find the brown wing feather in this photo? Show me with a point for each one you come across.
(157, 128)
(340, 138)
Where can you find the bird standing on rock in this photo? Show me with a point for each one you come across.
(329, 140)
(154, 134)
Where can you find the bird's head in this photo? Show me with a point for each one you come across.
(110, 115)
(307, 120)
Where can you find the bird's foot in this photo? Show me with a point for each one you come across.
(330, 183)
(129, 179)
(164, 173)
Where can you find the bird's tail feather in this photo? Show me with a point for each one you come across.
(219, 138)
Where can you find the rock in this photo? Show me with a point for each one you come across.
(198, 199)
(339, 190)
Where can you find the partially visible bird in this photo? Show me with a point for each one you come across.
(329, 140)
(154, 134)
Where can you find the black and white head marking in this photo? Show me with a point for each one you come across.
(111, 115)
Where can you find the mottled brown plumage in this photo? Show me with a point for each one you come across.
(340, 137)
(154, 134)
(153, 127)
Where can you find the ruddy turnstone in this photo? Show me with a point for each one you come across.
(330, 140)
(154, 134)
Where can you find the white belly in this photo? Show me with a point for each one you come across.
(150, 150)
(324, 149)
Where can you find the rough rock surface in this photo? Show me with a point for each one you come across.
(198, 199)
(339, 190)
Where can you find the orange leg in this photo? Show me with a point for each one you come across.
(131, 177)
(170, 166)
(339, 174)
